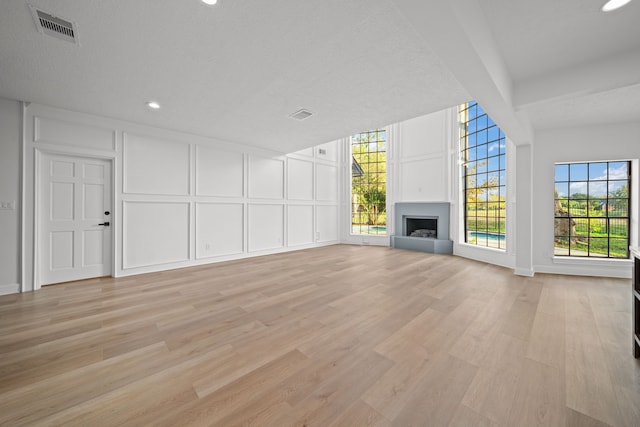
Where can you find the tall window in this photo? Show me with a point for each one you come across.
(592, 209)
(483, 148)
(369, 182)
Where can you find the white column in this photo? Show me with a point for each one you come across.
(523, 214)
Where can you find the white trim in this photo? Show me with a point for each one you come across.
(348, 237)
(524, 272)
(122, 129)
(592, 261)
(484, 254)
(622, 271)
(221, 258)
(23, 195)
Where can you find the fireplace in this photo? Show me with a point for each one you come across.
(420, 226)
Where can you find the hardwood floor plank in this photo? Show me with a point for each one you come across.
(480, 337)
(333, 397)
(332, 336)
(147, 398)
(589, 389)
(246, 397)
(519, 320)
(70, 389)
(578, 419)
(400, 344)
(360, 414)
(492, 390)
(393, 390)
(465, 417)
(547, 340)
(41, 367)
(437, 397)
(540, 396)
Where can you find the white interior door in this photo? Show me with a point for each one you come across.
(74, 218)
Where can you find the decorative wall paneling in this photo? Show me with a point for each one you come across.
(183, 200)
(155, 233)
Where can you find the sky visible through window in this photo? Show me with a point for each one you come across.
(483, 151)
(581, 173)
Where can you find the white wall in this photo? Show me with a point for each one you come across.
(418, 168)
(422, 153)
(10, 125)
(612, 142)
(183, 200)
(424, 150)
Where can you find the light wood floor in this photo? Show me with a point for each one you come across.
(335, 336)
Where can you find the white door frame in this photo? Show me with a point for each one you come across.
(37, 214)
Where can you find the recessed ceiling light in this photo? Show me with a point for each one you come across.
(614, 4)
(153, 104)
(210, 2)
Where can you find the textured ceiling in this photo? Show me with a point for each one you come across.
(570, 63)
(235, 71)
(542, 36)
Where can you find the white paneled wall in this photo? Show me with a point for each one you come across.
(424, 179)
(155, 166)
(266, 227)
(422, 153)
(59, 131)
(266, 178)
(182, 200)
(327, 192)
(300, 225)
(154, 233)
(219, 173)
(300, 179)
(327, 178)
(327, 223)
(220, 229)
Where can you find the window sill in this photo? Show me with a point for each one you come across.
(488, 248)
(589, 260)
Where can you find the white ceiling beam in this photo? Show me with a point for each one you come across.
(457, 31)
(616, 71)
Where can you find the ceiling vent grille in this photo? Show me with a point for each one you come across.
(301, 114)
(54, 26)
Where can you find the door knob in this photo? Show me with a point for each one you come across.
(106, 223)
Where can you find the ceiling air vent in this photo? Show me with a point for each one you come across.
(300, 114)
(54, 26)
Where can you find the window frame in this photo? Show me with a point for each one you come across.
(381, 136)
(475, 145)
(587, 218)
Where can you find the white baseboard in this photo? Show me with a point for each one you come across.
(11, 288)
(488, 255)
(524, 272)
(621, 271)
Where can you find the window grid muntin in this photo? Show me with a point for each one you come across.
(585, 172)
(479, 137)
(373, 161)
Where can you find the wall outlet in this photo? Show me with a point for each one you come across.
(322, 151)
(317, 235)
(8, 206)
(207, 246)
